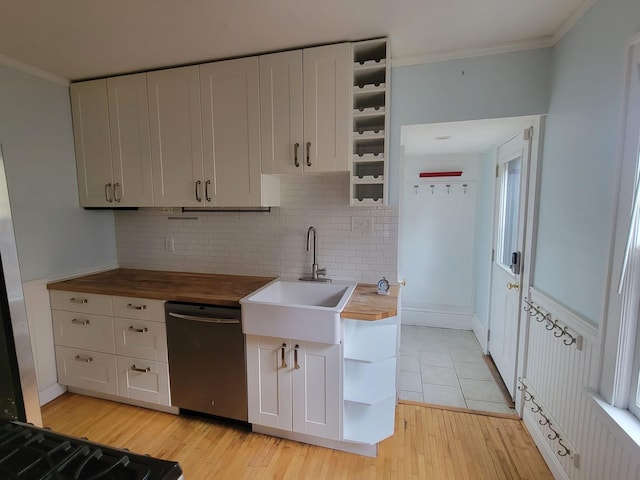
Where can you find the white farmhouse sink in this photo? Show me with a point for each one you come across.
(296, 309)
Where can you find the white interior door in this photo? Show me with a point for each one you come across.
(511, 194)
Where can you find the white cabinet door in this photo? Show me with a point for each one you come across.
(269, 381)
(176, 137)
(281, 111)
(231, 132)
(91, 136)
(143, 380)
(317, 378)
(89, 370)
(129, 128)
(327, 103)
(140, 339)
(83, 330)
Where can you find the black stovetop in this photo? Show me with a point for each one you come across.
(31, 453)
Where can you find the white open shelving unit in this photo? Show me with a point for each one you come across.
(371, 92)
(370, 355)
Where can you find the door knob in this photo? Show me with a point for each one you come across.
(515, 286)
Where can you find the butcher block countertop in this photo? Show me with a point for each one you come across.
(213, 289)
(366, 304)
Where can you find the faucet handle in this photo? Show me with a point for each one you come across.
(321, 271)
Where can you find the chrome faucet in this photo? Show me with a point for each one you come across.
(315, 271)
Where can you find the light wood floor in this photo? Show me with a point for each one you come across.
(429, 443)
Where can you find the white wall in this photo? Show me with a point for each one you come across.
(581, 155)
(269, 244)
(55, 237)
(484, 234)
(492, 86)
(437, 229)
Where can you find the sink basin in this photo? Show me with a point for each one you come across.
(295, 309)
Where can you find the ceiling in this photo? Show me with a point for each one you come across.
(477, 136)
(79, 39)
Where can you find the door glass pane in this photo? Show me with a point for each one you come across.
(510, 199)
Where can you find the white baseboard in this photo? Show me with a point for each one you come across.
(430, 318)
(129, 401)
(545, 450)
(51, 392)
(480, 331)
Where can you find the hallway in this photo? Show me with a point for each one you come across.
(445, 367)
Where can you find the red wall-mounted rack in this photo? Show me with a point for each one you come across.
(440, 174)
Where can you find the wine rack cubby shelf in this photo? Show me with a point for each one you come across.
(371, 93)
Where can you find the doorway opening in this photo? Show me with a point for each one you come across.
(450, 208)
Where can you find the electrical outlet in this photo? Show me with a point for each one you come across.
(169, 244)
(361, 224)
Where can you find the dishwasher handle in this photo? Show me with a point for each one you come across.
(196, 318)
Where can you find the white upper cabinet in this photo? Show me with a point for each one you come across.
(130, 149)
(176, 137)
(111, 133)
(231, 136)
(91, 136)
(305, 105)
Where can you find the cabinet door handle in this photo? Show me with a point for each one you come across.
(308, 154)
(138, 330)
(77, 321)
(198, 196)
(107, 186)
(283, 364)
(143, 370)
(131, 306)
(295, 154)
(115, 192)
(206, 190)
(295, 357)
(78, 300)
(84, 359)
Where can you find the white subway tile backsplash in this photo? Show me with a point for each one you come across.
(268, 244)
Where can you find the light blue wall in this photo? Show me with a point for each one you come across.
(55, 237)
(484, 234)
(492, 86)
(581, 156)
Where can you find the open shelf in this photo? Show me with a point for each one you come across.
(371, 76)
(369, 424)
(370, 341)
(369, 383)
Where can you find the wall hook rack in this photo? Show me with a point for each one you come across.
(553, 325)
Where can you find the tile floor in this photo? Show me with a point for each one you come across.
(445, 367)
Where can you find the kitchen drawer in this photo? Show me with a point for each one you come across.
(83, 330)
(143, 380)
(140, 308)
(89, 370)
(140, 339)
(80, 302)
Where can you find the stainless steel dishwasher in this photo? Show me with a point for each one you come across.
(207, 359)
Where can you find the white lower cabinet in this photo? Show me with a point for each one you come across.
(294, 385)
(112, 345)
(143, 380)
(86, 369)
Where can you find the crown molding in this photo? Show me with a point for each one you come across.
(35, 71)
(572, 20)
(508, 47)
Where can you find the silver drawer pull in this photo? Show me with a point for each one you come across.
(77, 321)
(131, 306)
(143, 370)
(84, 359)
(78, 300)
(138, 330)
(195, 318)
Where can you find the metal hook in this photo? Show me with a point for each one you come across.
(566, 450)
(432, 188)
(464, 187)
(448, 189)
(537, 407)
(550, 325)
(571, 339)
(559, 328)
(555, 433)
(545, 422)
